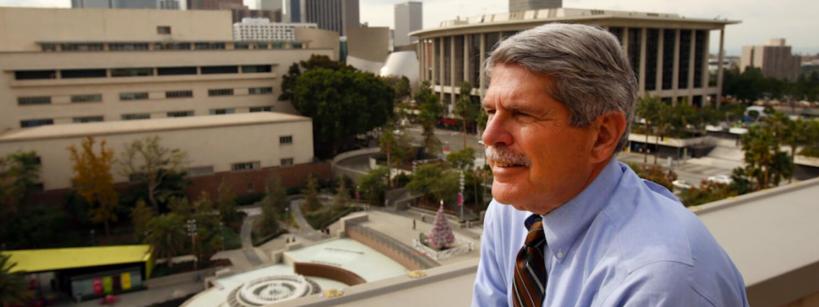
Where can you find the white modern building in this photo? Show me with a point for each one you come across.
(409, 17)
(668, 52)
(261, 29)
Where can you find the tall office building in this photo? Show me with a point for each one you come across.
(774, 59)
(269, 5)
(525, 5)
(83, 4)
(261, 29)
(408, 17)
(215, 4)
(169, 4)
(333, 15)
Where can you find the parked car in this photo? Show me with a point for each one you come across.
(724, 179)
(681, 184)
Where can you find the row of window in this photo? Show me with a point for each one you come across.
(28, 123)
(162, 46)
(139, 72)
(133, 96)
(250, 165)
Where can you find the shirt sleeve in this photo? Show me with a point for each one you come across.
(662, 284)
(489, 288)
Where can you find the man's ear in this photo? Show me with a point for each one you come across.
(610, 127)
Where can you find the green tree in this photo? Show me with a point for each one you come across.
(395, 144)
(399, 85)
(93, 180)
(226, 204)
(311, 200)
(166, 236)
(463, 159)
(273, 205)
(141, 214)
(289, 81)
(342, 197)
(373, 185)
(656, 174)
(435, 183)
(208, 228)
(147, 161)
(652, 111)
(706, 192)
(466, 107)
(19, 175)
(342, 104)
(13, 286)
(430, 111)
(295, 70)
(765, 162)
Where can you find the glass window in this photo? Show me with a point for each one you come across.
(179, 94)
(35, 74)
(260, 90)
(208, 46)
(28, 123)
(261, 109)
(136, 116)
(132, 72)
(82, 73)
(180, 114)
(172, 46)
(207, 70)
(286, 139)
(241, 166)
(86, 98)
(81, 47)
(127, 46)
(133, 96)
(175, 71)
(257, 68)
(220, 92)
(33, 100)
(286, 162)
(222, 111)
(87, 119)
(163, 29)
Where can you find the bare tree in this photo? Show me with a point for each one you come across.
(146, 159)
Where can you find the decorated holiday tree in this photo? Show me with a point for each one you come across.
(441, 236)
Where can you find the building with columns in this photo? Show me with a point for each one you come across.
(668, 52)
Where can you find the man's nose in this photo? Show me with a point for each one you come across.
(496, 132)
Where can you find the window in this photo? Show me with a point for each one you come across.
(260, 90)
(197, 171)
(127, 46)
(241, 45)
(35, 74)
(208, 46)
(179, 94)
(207, 70)
(257, 68)
(132, 72)
(175, 71)
(28, 123)
(34, 100)
(220, 92)
(48, 47)
(286, 139)
(286, 162)
(133, 96)
(261, 109)
(180, 114)
(242, 166)
(86, 98)
(87, 119)
(81, 47)
(163, 30)
(82, 73)
(172, 46)
(136, 116)
(222, 111)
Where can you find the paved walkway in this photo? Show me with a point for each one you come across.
(247, 241)
(305, 230)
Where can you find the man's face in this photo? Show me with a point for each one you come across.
(539, 161)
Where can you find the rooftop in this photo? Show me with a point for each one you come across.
(148, 125)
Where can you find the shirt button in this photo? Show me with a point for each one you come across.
(560, 254)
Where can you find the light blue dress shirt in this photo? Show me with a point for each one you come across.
(623, 241)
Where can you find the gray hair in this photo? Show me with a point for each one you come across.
(590, 72)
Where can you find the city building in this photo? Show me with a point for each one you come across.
(215, 4)
(333, 15)
(261, 29)
(213, 144)
(368, 47)
(238, 14)
(269, 5)
(526, 5)
(126, 4)
(668, 52)
(143, 64)
(409, 17)
(774, 59)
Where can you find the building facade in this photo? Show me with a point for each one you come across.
(215, 4)
(526, 5)
(261, 29)
(213, 144)
(409, 17)
(332, 15)
(668, 52)
(143, 64)
(269, 5)
(126, 4)
(774, 59)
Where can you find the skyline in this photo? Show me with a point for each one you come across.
(759, 22)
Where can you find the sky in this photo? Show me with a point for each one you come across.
(794, 20)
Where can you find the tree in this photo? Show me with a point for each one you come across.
(656, 174)
(342, 104)
(399, 85)
(435, 183)
(289, 81)
(466, 107)
(765, 162)
(226, 204)
(295, 70)
(148, 161)
(93, 180)
(19, 175)
(13, 287)
(208, 228)
(273, 205)
(440, 237)
(395, 145)
(462, 159)
(141, 215)
(650, 109)
(707, 192)
(166, 236)
(430, 111)
(342, 197)
(373, 184)
(311, 201)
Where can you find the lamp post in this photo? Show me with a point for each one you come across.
(461, 195)
(191, 227)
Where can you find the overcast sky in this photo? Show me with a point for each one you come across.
(794, 20)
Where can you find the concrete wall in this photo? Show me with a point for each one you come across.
(318, 39)
(369, 43)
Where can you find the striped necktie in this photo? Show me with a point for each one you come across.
(530, 267)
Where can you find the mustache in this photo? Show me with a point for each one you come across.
(505, 155)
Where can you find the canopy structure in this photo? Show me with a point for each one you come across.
(55, 259)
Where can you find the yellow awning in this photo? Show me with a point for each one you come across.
(52, 259)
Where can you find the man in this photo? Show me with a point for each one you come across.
(570, 225)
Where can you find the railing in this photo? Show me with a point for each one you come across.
(391, 247)
(459, 249)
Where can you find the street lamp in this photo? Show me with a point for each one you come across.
(191, 227)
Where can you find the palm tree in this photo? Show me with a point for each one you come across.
(166, 235)
(13, 288)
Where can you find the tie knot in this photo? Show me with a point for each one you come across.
(535, 236)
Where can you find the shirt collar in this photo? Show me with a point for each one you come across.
(563, 225)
